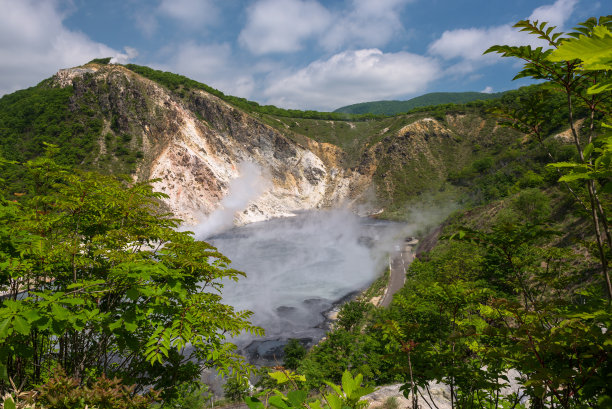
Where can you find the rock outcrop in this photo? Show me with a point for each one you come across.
(194, 149)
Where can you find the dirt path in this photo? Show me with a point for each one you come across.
(399, 261)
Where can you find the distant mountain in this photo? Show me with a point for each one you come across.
(434, 98)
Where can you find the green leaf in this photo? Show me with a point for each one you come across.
(5, 327)
(600, 87)
(335, 402)
(279, 377)
(595, 51)
(277, 402)
(574, 176)
(253, 403)
(21, 325)
(9, 403)
(588, 150)
(59, 312)
(296, 398)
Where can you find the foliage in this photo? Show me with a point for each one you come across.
(352, 315)
(578, 65)
(182, 84)
(96, 280)
(507, 302)
(294, 353)
(188, 396)
(347, 395)
(532, 205)
(103, 61)
(236, 388)
(427, 100)
(73, 118)
(63, 392)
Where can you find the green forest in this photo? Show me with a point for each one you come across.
(105, 303)
(427, 100)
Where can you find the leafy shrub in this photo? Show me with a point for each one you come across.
(63, 392)
(103, 61)
(391, 403)
(294, 353)
(188, 396)
(236, 388)
(482, 165)
(530, 179)
(353, 314)
(533, 205)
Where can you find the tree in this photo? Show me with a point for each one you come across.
(577, 64)
(96, 280)
(294, 353)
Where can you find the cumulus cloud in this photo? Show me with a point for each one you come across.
(34, 44)
(353, 76)
(285, 25)
(369, 23)
(212, 64)
(487, 90)
(555, 14)
(469, 44)
(282, 25)
(193, 13)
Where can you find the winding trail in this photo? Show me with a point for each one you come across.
(399, 261)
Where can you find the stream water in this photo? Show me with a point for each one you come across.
(297, 269)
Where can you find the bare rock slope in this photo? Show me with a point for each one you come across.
(195, 149)
(200, 148)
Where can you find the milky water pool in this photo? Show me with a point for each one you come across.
(298, 267)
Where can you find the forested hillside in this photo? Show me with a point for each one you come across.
(431, 99)
(517, 288)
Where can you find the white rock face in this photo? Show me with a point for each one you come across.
(198, 165)
(195, 148)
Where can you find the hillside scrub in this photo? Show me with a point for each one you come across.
(519, 284)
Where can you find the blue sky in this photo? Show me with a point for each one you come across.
(306, 54)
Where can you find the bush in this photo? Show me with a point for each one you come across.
(294, 353)
(63, 392)
(533, 205)
(236, 389)
(530, 179)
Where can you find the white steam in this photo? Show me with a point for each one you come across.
(297, 267)
(248, 186)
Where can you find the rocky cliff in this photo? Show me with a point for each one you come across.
(195, 148)
(208, 155)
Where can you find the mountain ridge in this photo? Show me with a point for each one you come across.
(394, 107)
(119, 121)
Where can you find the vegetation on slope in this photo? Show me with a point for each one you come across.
(431, 99)
(183, 85)
(519, 284)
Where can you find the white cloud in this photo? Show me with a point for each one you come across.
(211, 64)
(555, 14)
(282, 25)
(34, 44)
(146, 23)
(353, 76)
(370, 23)
(488, 90)
(123, 58)
(469, 44)
(193, 13)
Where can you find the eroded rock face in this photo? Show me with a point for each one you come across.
(195, 149)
